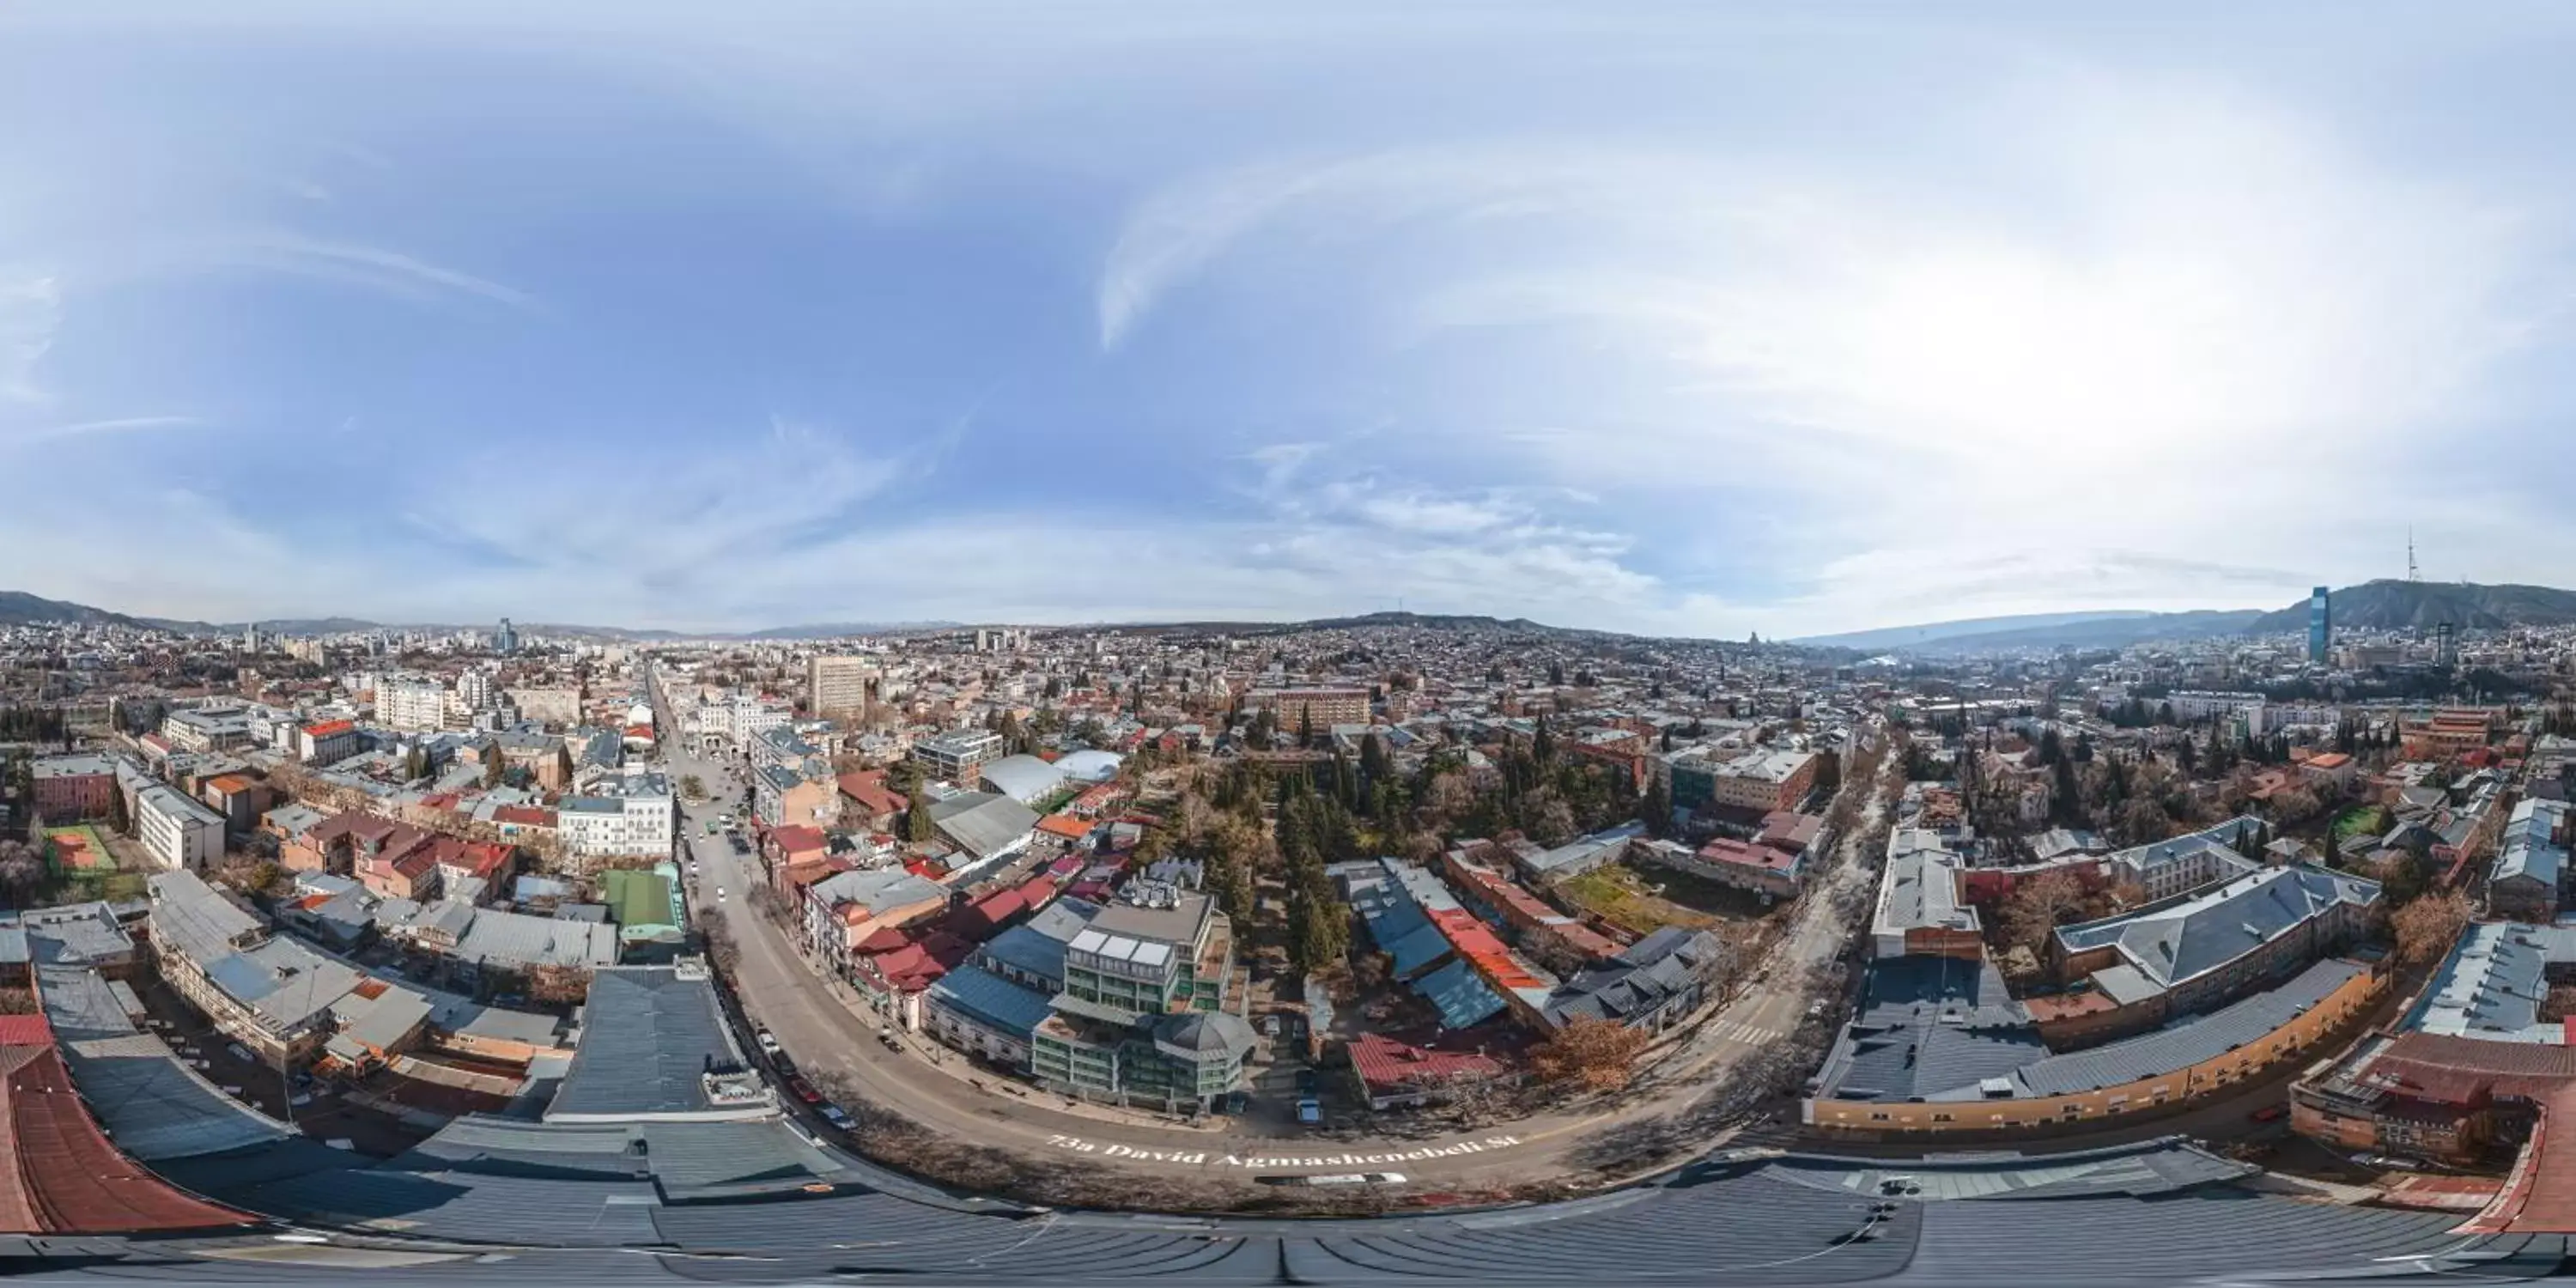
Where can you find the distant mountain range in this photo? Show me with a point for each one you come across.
(17, 608)
(2384, 605)
(1888, 637)
(2374, 605)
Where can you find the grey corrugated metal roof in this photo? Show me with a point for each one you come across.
(647, 1038)
(2183, 939)
(983, 823)
(2176, 1046)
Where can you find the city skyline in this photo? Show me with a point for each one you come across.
(1749, 322)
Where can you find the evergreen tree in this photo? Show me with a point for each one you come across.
(917, 826)
(1543, 744)
(1656, 809)
(1373, 760)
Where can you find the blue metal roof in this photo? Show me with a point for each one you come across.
(1462, 997)
(990, 1000)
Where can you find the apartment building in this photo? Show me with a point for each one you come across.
(411, 703)
(274, 996)
(71, 788)
(1760, 782)
(177, 830)
(209, 728)
(1319, 708)
(837, 684)
(1142, 1017)
(621, 816)
(328, 742)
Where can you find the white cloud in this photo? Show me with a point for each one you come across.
(93, 428)
(370, 267)
(2166, 322)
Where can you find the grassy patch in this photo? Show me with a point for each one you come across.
(1621, 898)
(2360, 820)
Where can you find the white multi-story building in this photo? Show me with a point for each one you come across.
(628, 815)
(411, 703)
(177, 830)
(207, 728)
(2184, 863)
(474, 689)
(2191, 705)
(751, 715)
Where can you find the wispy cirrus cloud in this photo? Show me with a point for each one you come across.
(96, 428)
(369, 267)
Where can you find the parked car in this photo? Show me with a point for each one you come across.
(1236, 1102)
(786, 1067)
(2270, 1113)
(839, 1118)
(804, 1090)
(1307, 1082)
(886, 1035)
(1310, 1112)
(768, 1043)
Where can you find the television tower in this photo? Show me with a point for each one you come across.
(2411, 574)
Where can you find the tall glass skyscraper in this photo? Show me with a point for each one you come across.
(2320, 626)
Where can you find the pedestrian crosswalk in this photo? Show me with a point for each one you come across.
(1738, 1031)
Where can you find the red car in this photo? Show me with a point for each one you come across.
(804, 1090)
(2271, 1113)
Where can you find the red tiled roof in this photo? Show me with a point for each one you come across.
(1740, 854)
(1482, 948)
(2457, 1070)
(329, 727)
(868, 788)
(1070, 828)
(1386, 1063)
(523, 816)
(797, 838)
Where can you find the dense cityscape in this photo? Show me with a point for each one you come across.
(1380, 645)
(1313, 917)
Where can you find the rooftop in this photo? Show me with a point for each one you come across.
(650, 1035)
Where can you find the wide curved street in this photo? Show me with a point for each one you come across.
(824, 1026)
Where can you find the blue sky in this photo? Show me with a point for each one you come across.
(1683, 319)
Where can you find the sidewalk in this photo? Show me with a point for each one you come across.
(956, 1066)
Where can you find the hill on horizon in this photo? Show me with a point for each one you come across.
(2386, 604)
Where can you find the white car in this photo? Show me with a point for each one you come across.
(768, 1042)
(719, 894)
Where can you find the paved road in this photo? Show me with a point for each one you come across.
(812, 1018)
